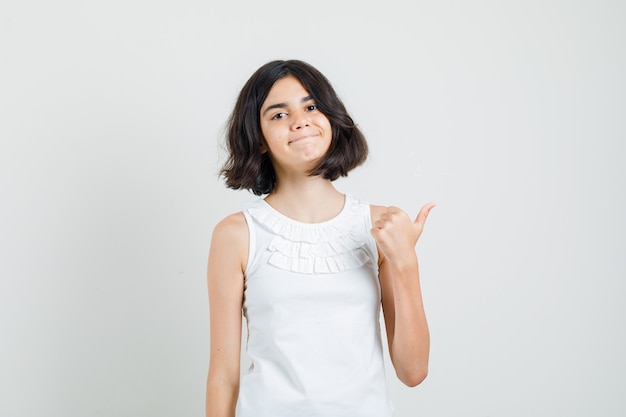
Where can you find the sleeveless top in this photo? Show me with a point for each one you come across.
(312, 306)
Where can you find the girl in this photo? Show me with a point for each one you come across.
(308, 266)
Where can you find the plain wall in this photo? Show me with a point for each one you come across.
(510, 115)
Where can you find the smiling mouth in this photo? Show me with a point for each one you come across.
(301, 138)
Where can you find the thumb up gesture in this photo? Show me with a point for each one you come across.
(396, 234)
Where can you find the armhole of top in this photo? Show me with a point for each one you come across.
(251, 242)
(370, 238)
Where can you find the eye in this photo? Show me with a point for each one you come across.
(311, 107)
(280, 115)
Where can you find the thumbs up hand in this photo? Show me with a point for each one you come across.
(396, 234)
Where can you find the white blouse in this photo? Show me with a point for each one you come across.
(312, 306)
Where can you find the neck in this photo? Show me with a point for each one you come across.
(310, 200)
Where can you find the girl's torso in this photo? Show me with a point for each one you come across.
(312, 306)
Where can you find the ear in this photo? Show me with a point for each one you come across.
(264, 148)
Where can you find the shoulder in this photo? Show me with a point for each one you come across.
(231, 229)
(360, 204)
(230, 241)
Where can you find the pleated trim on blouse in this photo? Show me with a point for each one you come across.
(324, 248)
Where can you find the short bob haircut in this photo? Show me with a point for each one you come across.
(248, 167)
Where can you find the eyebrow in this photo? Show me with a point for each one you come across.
(283, 105)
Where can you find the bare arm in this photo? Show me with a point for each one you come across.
(403, 308)
(225, 274)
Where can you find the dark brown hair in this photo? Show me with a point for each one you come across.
(249, 168)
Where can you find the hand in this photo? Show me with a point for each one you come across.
(395, 233)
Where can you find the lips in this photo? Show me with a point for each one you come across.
(300, 138)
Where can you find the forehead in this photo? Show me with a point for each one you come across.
(286, 88)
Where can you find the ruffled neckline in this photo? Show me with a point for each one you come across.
(327, 247)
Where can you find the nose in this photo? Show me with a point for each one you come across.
(300, 120)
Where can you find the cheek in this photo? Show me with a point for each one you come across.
(329, 130)
(272, 138)
(328, 125)
(270, 131)
(324, 123)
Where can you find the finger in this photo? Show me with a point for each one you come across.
(379, 224)
(423, 214)
(386, 217)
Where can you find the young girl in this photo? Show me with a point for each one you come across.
(308, 266)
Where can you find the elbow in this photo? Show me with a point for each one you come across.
(414, 377)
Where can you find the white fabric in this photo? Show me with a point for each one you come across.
(312, 304)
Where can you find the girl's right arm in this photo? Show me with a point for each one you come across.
(225, 275)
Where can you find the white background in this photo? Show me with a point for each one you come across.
(509, 114)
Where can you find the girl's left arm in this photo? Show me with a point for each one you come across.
(405, 320)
